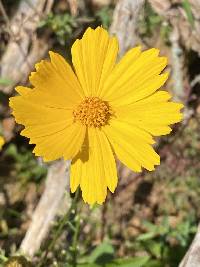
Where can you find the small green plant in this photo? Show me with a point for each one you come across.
(152, 22)
(166, 244)
(25, 164)
(104, 15)
(104, 256)
(61, 24)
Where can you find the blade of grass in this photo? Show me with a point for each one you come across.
(187, 7)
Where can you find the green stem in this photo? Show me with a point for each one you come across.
(75, 241)
(61, 224)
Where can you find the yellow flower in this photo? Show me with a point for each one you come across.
(2, 142)
(101, 110)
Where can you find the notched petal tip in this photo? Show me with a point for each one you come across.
(98, 28)
(23, 91)
(40, 64)
(18, 89)
(38, 154)
(181, 105)
(51, 53)
(179, 117)
(165, 75)
(12, 101)
(93, 201)
(138, 47)
(30, 142)
(152, 51)
(73, 189)
(112, 188)
(55, 56)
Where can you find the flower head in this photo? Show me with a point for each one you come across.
(100, 110)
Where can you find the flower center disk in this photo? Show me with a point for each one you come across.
(93, 112)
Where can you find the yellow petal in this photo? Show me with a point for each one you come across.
(135, 77)
(29, 112)
(132, 145)
(93, 58)
(94, 168)
(154, 114)
(2, 142)
(45, 99)
(64, 143)
(51, 129)
(119, 69)
(56, 81)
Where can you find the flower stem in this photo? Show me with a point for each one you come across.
(61, 223)
(75, 241)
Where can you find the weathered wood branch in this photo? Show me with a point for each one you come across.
(192, 257)
(124, 24)
(24, 48)
(177, 65)
(57, 182)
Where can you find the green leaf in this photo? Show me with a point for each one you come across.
(155, 248)
(131, 262)
(155, 263)
(146, 236)
(187, 7)
(12, 151)
(102, 254)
